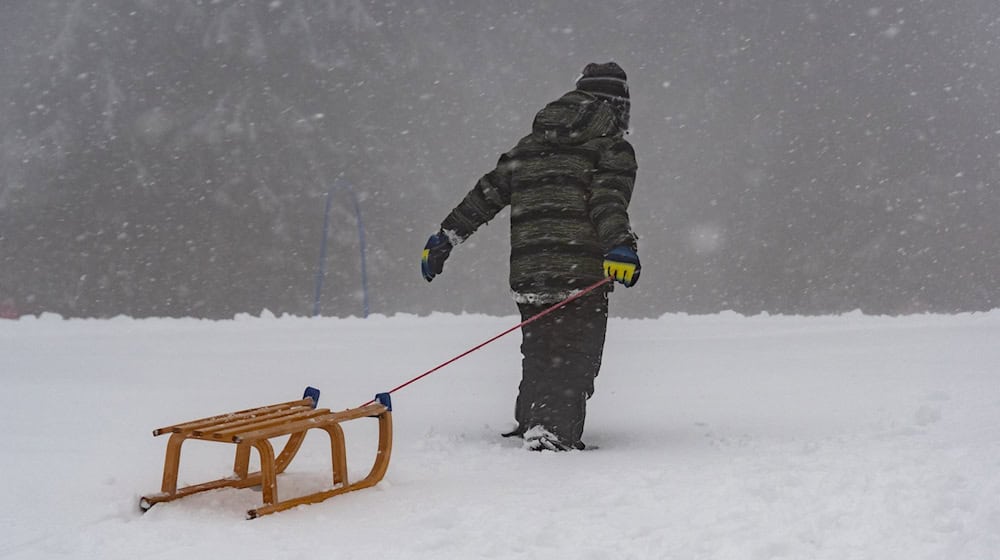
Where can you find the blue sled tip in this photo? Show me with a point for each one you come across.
(312, 393)
(385, 400)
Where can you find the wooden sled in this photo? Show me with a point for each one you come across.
(253, 428)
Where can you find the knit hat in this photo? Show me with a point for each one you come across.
(609, 83)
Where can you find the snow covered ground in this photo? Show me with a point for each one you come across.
(718, 437)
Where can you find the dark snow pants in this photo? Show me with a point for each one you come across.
(562, 356)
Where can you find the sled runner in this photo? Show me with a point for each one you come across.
(253, 428)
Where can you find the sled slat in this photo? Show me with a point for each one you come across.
(226, 429)
(279, 423)
(250, 412)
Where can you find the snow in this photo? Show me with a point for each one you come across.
(717, 437)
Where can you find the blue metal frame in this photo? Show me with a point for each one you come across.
(321, 269)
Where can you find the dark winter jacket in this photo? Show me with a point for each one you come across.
(568, 184)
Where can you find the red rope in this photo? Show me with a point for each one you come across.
(531, 319)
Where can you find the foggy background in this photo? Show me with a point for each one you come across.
(173, 157)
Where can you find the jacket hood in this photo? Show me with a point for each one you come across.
(575, 118)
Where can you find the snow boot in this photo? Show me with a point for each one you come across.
(540, 439)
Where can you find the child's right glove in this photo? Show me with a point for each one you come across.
(622, 264)
(436, 251)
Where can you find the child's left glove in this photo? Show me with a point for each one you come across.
(436, 251)
(622, 264)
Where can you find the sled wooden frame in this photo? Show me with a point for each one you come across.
(253, 428)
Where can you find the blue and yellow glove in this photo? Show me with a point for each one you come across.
(436, 251)
(622, 264)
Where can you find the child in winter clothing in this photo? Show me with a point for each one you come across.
(569, 184)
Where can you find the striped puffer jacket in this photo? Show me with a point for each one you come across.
(568, 184)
